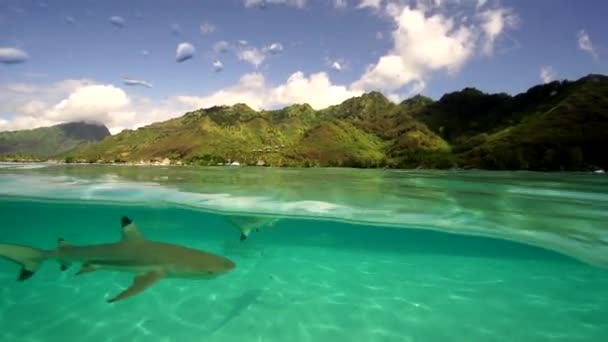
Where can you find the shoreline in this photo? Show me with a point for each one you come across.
(593, 170)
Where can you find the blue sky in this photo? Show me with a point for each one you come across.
(430, 47)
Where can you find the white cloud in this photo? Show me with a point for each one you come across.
(395, 98)
(100, 103)
(481, 3)
(370, 4)
(217, 65)
(145, 53)
(20, 88)
(427, 39)
(494, 22)
(134, 82)
(254, 3)
(547, 74)
(143, 111)
(70, 100)
(585, 44)
(264, 3)
(251, 89)
(273, 49)
(24, 122)
(44, 105)
(379, 35)
(70, 20)
(31, 106)
(389, 73)
(117, 21)
(221, 46)
(411, 90)
(207, 28)
(340, 4)
(252, 55)
(15, 97)
(421, 44)
(336, 66)
(415, 89)
(316, 90)
(10, 55)
(184, 52)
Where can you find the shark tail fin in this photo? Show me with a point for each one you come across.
(61, 243)
(29, 258)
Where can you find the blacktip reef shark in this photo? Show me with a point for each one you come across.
(149, 260)
(247, 224)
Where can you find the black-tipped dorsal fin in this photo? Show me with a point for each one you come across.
(130, 232)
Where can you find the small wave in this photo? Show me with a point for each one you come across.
(560, 194)
(21, 166)
(539, 222)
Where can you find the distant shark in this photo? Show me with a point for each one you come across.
(246, 224)
(149, 260)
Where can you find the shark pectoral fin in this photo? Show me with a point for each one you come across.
(86, 268)
(140, 283)
(130, 231)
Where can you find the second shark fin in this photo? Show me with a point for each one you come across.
(140, 283)
(245, 234)
(130, 232)
(61, 243)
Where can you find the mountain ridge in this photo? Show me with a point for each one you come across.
(553, 126)
(48, 141)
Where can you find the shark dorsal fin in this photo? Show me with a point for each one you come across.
(130, 232)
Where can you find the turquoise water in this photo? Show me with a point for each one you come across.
(356, 255)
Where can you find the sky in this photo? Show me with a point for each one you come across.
(130, 63)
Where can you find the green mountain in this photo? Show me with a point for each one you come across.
(48, 141)
(555, 126)
(365, 131)
(561, 125)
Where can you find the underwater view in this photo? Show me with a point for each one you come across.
(330, 254)
(303, 170)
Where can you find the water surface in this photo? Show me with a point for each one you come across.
(355, 254)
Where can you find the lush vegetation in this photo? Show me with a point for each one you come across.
(561, 125)
(555, 126)
(366, 131)
(48, 141)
